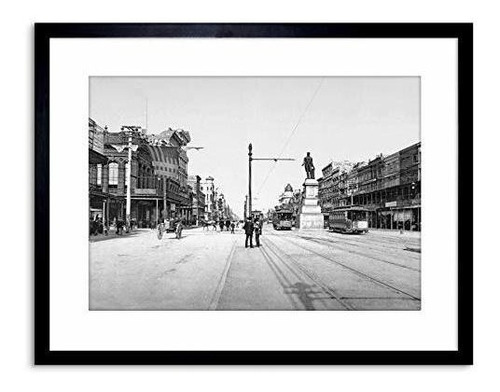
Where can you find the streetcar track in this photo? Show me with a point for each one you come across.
(378, 242)
(214, 303)
(280, 276)
(357, 272)
(384, 298)
(377, 245)
(328, 290)
(365, 239)
(321, 240)
(370, 236)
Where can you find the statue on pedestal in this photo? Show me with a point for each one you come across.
(310, 216)
(309, 166)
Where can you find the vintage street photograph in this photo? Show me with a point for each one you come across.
(254, 193)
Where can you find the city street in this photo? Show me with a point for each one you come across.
(292, 270)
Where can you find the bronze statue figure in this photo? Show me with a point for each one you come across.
(308, 163)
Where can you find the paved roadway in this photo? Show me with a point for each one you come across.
(301, 270)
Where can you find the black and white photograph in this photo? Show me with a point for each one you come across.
(254, 193)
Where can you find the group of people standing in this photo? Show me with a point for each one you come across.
(228, 224)
(251, 228)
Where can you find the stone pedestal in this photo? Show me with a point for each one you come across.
(310, 216)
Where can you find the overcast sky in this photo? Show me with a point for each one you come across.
(335, 118)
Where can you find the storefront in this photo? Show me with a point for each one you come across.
(407, 218)
(146, 212)
(398, 218)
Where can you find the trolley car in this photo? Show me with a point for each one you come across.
(348, 220)
(282, 220)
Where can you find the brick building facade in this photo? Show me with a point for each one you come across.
(388, 187)
(158, 175)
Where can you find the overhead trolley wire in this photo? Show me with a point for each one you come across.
(291, 134)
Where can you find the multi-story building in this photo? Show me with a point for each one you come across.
(221, 205)
(334, 185)
(171, 162)
(393, 195)
(287, 195)
(391, 171)
(341, 182)
(388, 187)
(335, 181)
(407, 212)
(98, 191)
(145, 189)
(352, 183)
(157, 174)
(321, 190)
(325, 193)
(208, 189)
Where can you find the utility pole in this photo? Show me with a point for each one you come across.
(131, 147)
(250, 159)
(250, 180)
(164, 199)
(129, 175)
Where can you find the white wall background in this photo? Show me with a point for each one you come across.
(16, 103)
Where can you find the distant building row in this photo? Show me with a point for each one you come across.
(160, 185)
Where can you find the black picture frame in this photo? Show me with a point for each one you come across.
(463, 32)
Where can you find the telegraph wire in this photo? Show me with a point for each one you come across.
(294, 129)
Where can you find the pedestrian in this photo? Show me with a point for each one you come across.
(258, 231)
(248, 227)
(178, 229)
(221, 225)
(161, 229)
(119, 227)
(228, 224)
(232, 227)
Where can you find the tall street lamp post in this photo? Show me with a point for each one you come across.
(164, 187)
(250, 159)
(250, 180)
(131, 147)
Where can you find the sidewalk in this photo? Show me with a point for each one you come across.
(112, 234)
(396, 233)
(411, 239)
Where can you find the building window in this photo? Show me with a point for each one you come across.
(113, 174)
(99, 174)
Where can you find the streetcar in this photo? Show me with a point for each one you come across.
(348, 220)
(282, 220)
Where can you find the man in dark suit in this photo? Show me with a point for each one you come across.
(248, 227)
(258, 231)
